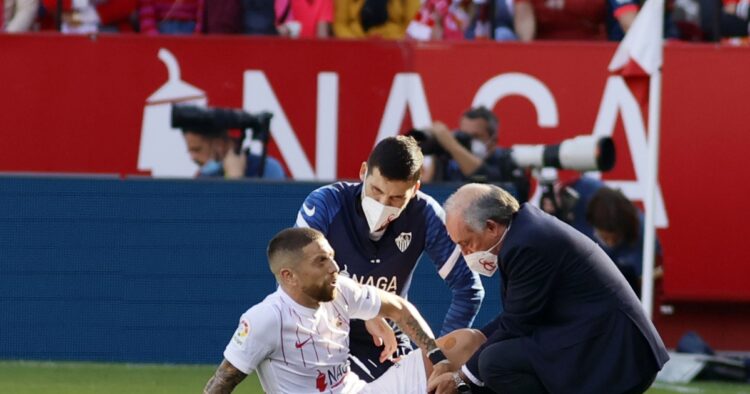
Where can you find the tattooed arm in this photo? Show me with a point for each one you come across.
(403, 313)
(225, 379)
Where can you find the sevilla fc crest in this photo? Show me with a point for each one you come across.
(403, 241)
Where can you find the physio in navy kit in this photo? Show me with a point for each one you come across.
(379, 228)
(570, 322)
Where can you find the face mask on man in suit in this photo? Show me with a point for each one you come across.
(484, 262)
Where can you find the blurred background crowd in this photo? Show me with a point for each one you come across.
(501, 20)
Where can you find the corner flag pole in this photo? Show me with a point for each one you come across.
(649, 228)
(642, 50)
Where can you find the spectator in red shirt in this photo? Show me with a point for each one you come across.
(117, 15)
(304, 18)
(440, 20)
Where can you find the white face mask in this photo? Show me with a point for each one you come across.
(378, 215)
(485, 262)
(478, 148)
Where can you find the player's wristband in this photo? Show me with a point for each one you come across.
(436, 356)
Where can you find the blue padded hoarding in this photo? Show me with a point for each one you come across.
(144, 270)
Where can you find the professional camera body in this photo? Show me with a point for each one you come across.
(581, 153)
(220, 122)
(430, 146)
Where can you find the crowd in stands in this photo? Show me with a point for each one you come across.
(501, 20)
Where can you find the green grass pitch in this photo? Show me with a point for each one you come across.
(84, 378)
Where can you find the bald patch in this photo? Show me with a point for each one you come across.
(475, 203)
(465, 196)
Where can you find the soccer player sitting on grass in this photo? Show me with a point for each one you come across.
(297, 339)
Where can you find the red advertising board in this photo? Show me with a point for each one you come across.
(100, 105)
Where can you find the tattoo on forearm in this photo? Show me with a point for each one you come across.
(225, 379)
(417, 333)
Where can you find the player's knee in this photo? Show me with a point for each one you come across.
(460, 345)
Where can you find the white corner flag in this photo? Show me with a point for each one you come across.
(641, 53)
(644, 42)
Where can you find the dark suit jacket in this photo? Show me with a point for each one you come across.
(579, 322)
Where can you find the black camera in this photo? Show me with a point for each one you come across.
(430, 146)
(218, 121)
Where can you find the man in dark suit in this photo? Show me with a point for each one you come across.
(571, 323)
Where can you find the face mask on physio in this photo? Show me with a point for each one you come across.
(484, 262)
(378, 215)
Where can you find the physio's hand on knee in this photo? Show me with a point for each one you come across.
(440, 369)
(441, 384)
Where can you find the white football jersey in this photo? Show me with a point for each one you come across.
(296, 349)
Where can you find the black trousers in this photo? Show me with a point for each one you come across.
(505, 369)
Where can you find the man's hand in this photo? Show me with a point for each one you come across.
(382, 334)
(442, 134)
(440, 369)
(234, 164)
(467, 162)
(441, 384)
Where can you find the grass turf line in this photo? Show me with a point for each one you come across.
(26, 377)
(32, 377)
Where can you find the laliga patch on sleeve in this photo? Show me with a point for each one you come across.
(240, 336)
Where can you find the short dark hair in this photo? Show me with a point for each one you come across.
(488, 116)
(398, 158)
(611, 211)
(291, 240)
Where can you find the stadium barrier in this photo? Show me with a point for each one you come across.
(142, 270)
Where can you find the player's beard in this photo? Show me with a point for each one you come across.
(322, 293)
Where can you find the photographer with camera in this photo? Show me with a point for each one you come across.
(606, 216)
(214, 138)
(471, 154)
(216, 156)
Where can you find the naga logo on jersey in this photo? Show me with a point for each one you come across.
(389, 284)
(403, 241)
(242, 331)
(333, 377)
